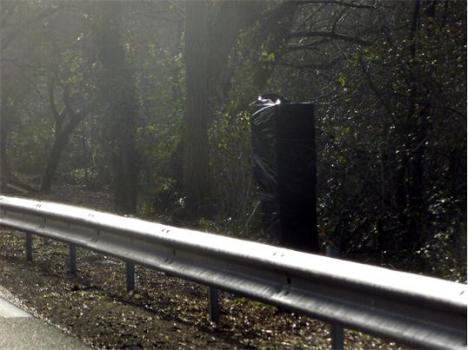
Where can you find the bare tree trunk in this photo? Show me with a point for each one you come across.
(61, 140)
(3, 153)
(119, 124)
(195, 181)
(4, 111)
(211, 30)
(411, 174)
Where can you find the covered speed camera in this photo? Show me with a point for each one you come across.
(283, 142)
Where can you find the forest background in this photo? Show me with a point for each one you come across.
(149, 101)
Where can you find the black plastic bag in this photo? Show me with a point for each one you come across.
(284, 157)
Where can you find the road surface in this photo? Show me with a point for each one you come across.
(20, 330)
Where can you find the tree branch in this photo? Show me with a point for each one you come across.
(7, 10)
(55, 113)
(41, 15)
(310, 66)
(375, 90)
(331, 35)
(77, 114)
(310, 16)
(340, 3)
(311, 46)
(339, 18)
(68, 107)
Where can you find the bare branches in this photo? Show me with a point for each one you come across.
(331, 35)
(14, 32)
(7, 9)
(280, 14)
(339, 19)
(341, 3)
(375, 90)
(310, 16)
(67, 103)
(75, 115)
(310, 46)
(325, 65)
(58, 116)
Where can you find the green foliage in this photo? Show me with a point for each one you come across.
(231, 164)
(342, 80)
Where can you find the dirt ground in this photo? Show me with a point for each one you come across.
(164, 312)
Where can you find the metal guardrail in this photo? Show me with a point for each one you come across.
(412, 309)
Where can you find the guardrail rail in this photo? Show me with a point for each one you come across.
(412, 309)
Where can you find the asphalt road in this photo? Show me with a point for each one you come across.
(20, 330)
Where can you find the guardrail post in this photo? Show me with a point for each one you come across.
(337, 337)
(336, 331)
(130, 267)
(72, 259)
(28, 246)
(213, 304)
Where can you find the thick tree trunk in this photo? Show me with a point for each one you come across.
(3, 153)
(119, 122)
(195, 181)
(4, 114)
(62, 137)
(211, 30)
(417, 203)
(124, 155)
(411, 175)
